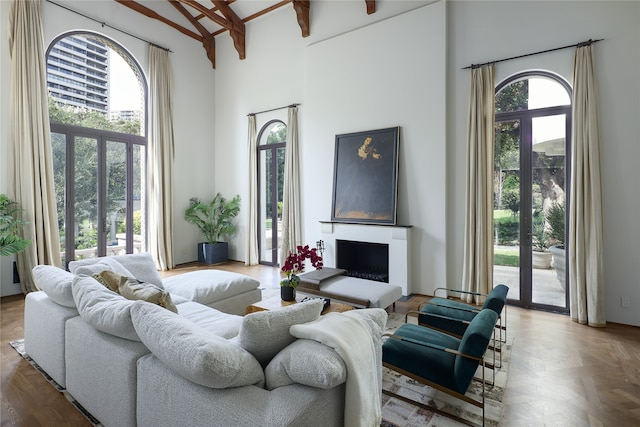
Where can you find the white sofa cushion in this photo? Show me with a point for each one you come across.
(56, 283)
(102, 264)
(265, 333)
(209, 286)
(195, 354)
(213, 321)
(140, 266)
(103, 309)
(306, 362)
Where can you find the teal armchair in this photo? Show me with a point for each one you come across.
(440, 360)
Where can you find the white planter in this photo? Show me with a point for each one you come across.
(541, 260)
(559, 264)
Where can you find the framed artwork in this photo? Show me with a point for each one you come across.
(365, 177)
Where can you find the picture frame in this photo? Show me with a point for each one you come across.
(365, 177)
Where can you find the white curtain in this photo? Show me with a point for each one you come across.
(160, 158)
(586, 277)
(477, 273)
(251, 256)
(31, 163)
(291, 234)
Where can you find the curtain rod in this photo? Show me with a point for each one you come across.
(104, 24)
(581, 44)
(273, 109)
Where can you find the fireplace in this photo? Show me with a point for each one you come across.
(364, 260)
(396, 238)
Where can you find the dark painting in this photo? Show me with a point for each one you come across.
(365, 177)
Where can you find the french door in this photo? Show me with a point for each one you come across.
(100, 192)
(271, 152)
(531, 189)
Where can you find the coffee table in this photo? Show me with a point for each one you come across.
(276, 302)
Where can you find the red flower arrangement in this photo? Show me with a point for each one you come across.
(294, 264)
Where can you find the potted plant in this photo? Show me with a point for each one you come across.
(215, 221)
(541, 257)
(556, 217)
(10, 224)
(294, 265)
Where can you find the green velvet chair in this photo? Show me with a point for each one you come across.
(440, 360)
(453, 316)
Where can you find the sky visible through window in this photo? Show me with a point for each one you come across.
(543, 93)
(125, 88)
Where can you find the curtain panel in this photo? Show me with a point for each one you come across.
(477, 273)
(251, 255)
(160, 157)
(31, 162)
(291, 234)
(586, 276)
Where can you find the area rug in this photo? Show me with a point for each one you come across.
(395, 413)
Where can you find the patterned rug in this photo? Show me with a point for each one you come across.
(395, 413)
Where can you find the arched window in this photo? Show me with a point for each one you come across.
(271, 150)
(531, 172)
(97, 99)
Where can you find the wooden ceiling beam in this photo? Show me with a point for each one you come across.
(154, 15)
(371, 6)
(208, 41)
(237, 30)
(208, 13)
(302, 12)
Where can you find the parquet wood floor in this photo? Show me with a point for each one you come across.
(560, 374)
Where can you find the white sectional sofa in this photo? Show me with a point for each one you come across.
(133, 363)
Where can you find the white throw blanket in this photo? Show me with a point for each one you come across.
(352, 339)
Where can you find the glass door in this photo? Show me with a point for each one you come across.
(530, 191)
(100, 200)
(271, 152)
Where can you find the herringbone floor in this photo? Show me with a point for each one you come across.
(560, 374)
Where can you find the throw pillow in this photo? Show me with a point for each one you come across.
(56, 283)
(134, 290)
(306, 362)
(110, 279)
(185, 348)
(102, 308)
(265, 333)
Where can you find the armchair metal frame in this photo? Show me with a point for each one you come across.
(474, 307)
(495, 348)
(480, 404)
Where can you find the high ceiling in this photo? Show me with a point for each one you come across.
(204, 20)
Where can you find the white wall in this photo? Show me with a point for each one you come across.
(382, 73)
(193, 101)
(484, 31)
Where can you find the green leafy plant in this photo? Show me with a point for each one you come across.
(555, 216)
(215, 218)
(10, 224)
(540, 241)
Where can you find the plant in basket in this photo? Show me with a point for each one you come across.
(293, 266)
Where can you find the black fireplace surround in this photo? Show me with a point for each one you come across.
(363, 260)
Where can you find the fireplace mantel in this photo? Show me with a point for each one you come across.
(396, 236)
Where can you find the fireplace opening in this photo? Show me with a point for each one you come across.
(363, 260)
